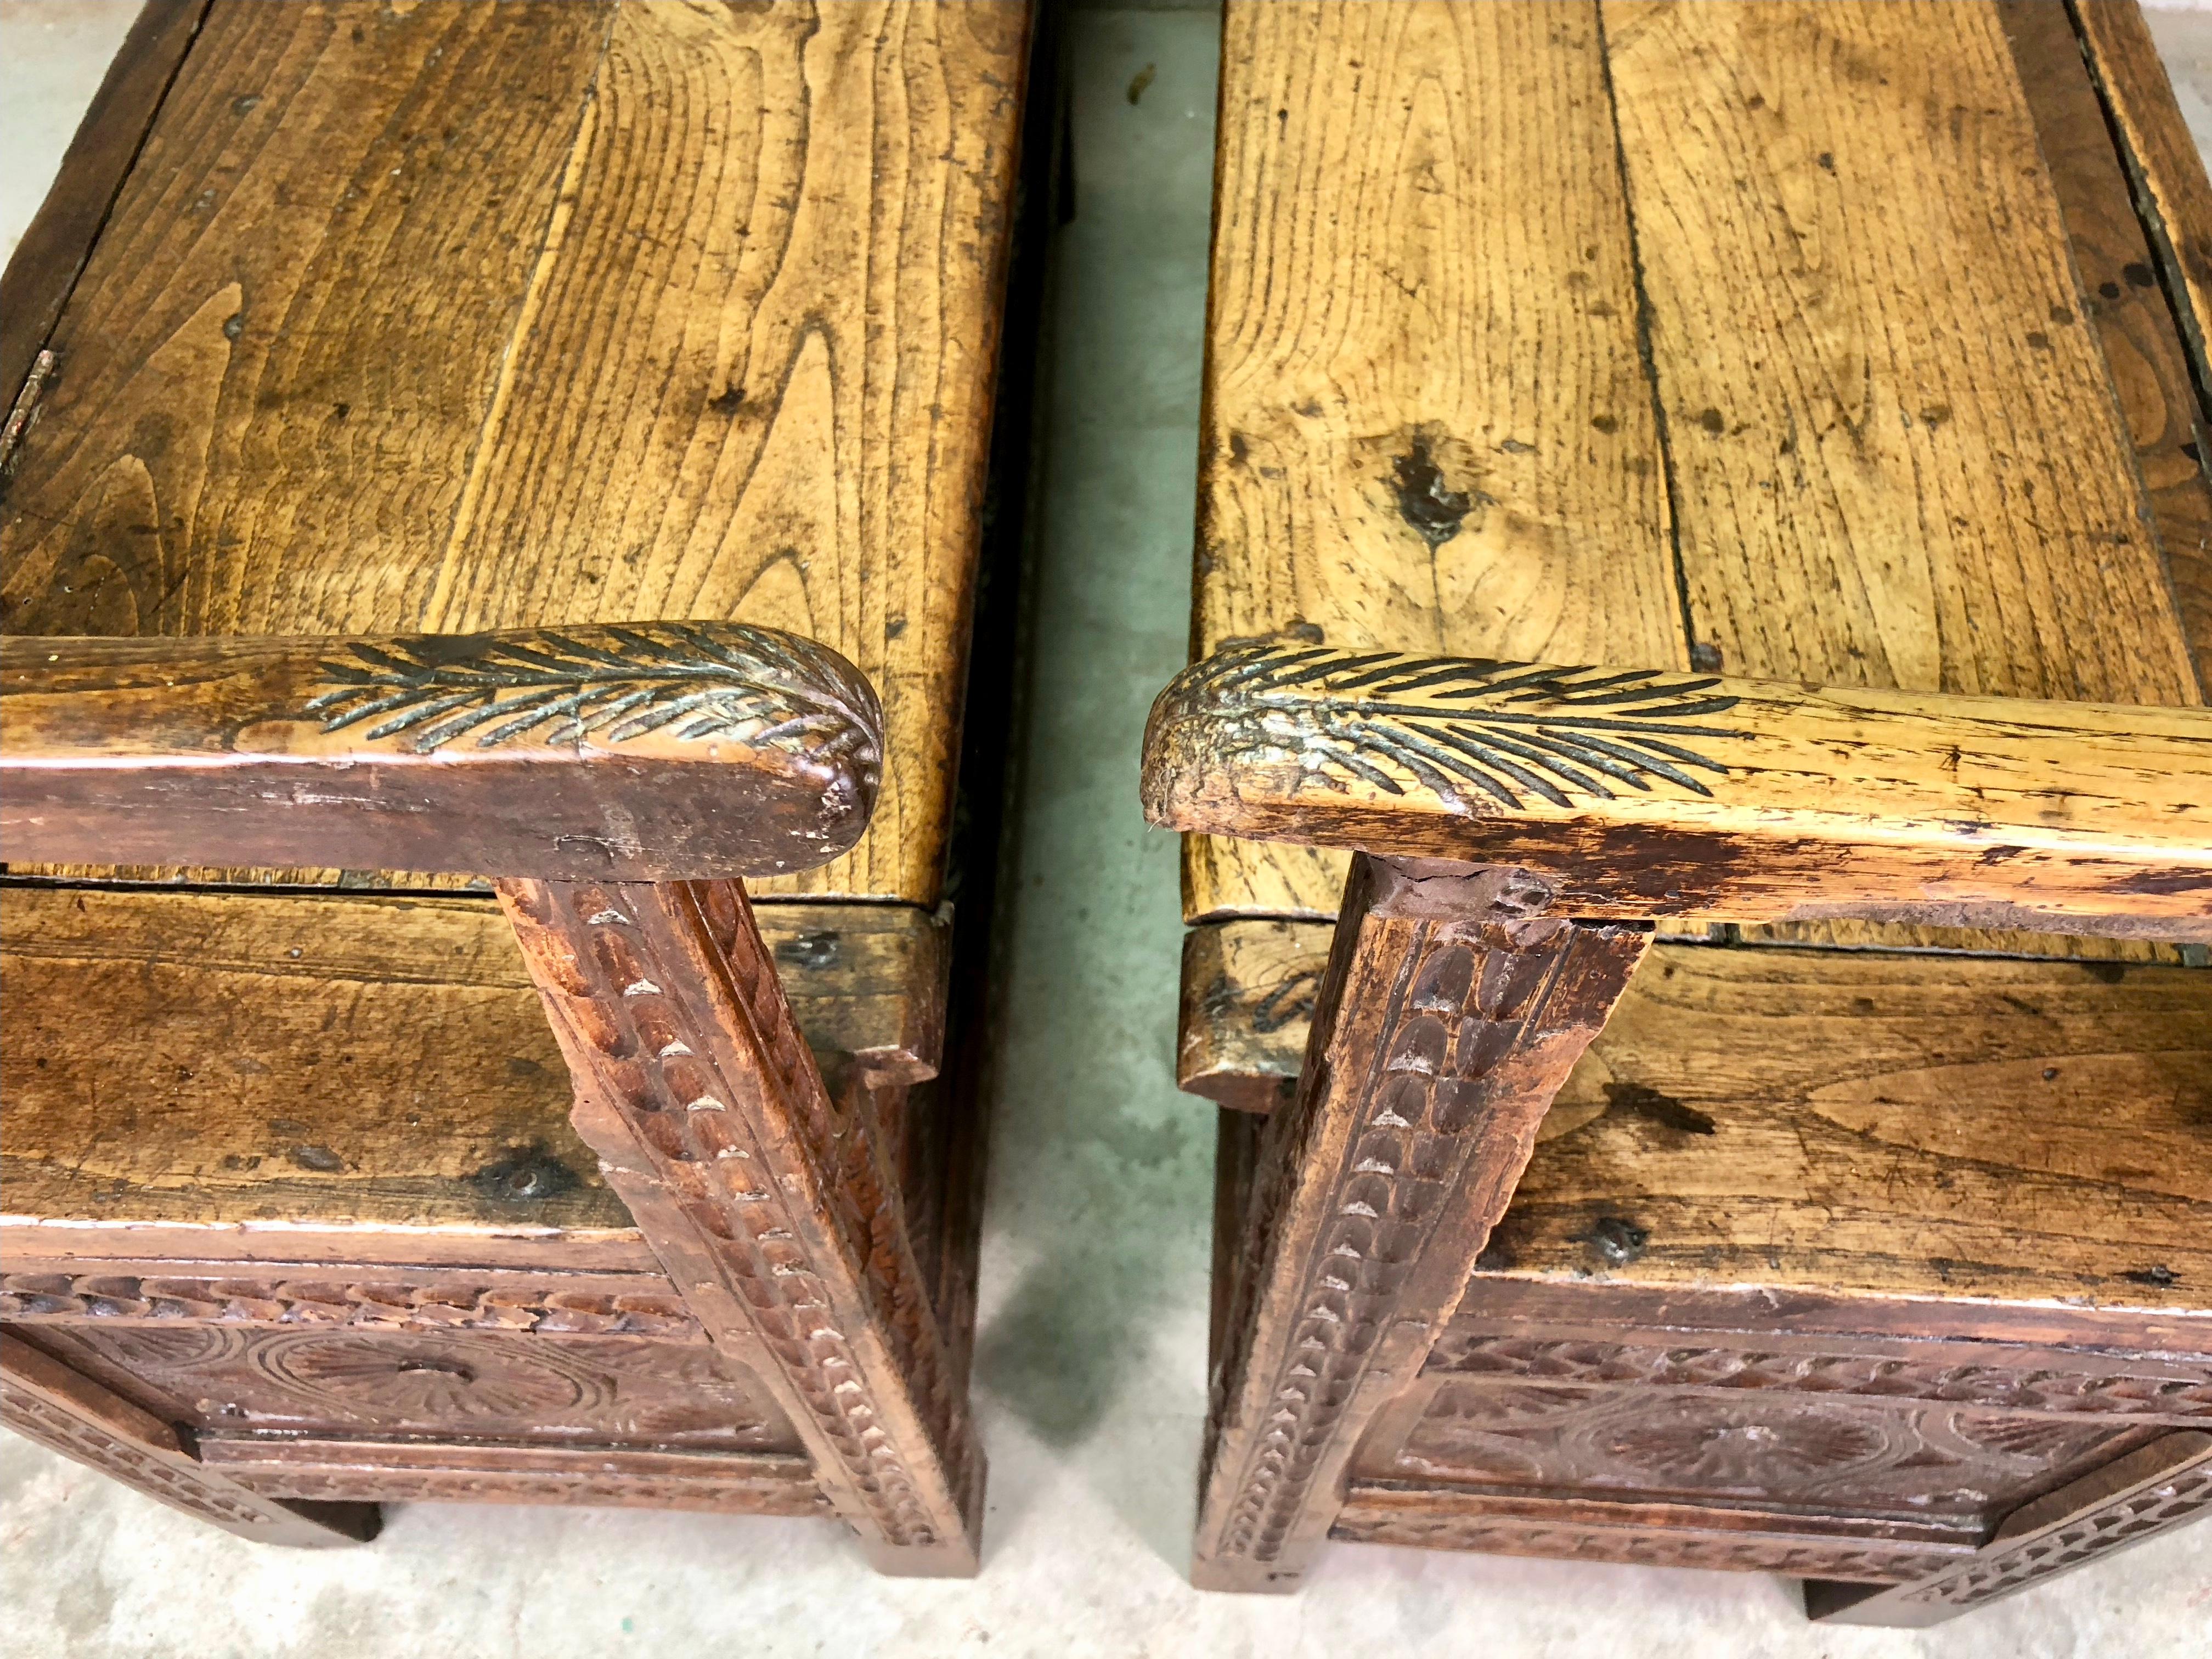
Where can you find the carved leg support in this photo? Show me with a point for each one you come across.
(43, 1400)
(1447, 1020)
(773, 1211)
(2152, 1490)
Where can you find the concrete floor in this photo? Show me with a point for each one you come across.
(1090, 1385)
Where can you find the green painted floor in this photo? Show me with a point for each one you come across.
(1092, 1371)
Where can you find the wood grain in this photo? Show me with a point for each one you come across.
(2173, 194)
(1632, 792)
(2122, 295)
(1900, 459)
(1425, 423)
(2011, 1129)
(652, 751)
(1248, 999)
(1703, 1536)
(468, 1385)
(45, 265)
(1849, 502)
(357, 1068)
(1248, 984)
(720, 344)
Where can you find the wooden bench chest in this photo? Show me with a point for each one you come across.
(351, 320)
(1826, 370)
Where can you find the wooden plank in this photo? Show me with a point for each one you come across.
(1849, 1122)
(1712, 1537)
(1630, 793)
(283, 1069)
(2121, 293)
(652, 751)
(2173, 194)
(720, 345)
(1426, 426)
(388, 1471)
(45, 263)
(1899, 454)
(1248, 984)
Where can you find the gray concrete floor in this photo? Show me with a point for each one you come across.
(1090, 1385)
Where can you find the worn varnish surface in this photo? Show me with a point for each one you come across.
(1900, 460)
(362, 1062)
(2017, 1129)
(651, 750)
(719, 345)
(1426, 426)
(1626, 791)
(1847, 499)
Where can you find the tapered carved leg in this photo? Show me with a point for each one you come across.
(2154, 1489)
(43, 1400)
(774, 1212)
(1447, 1020)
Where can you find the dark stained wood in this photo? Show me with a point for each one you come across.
(2122, 297)
(777, 1216)
(45, 263)
(1635, 794)
(363, 1077)
(121, 1294)
(650, 751)
(722, 344)
(487, 1385)
(43, 1400)
(1645, 1534)
(388, 1471)
(2133, 1498)
(1442, 1030)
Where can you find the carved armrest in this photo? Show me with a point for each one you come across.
(653, 751)
(1630, 793)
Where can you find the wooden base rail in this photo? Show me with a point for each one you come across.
(652, 751)
(1639, 793)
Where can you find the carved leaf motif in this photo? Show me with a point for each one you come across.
(1462, 726)
(612, 684)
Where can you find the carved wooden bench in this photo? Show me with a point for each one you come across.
(1865, 1241)
(538, 447)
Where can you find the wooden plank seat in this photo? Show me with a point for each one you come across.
(1726, 477)
(492, 493)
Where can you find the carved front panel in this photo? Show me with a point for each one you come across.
(1926, 1460)
(465, 1384)
(2170, 1388)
